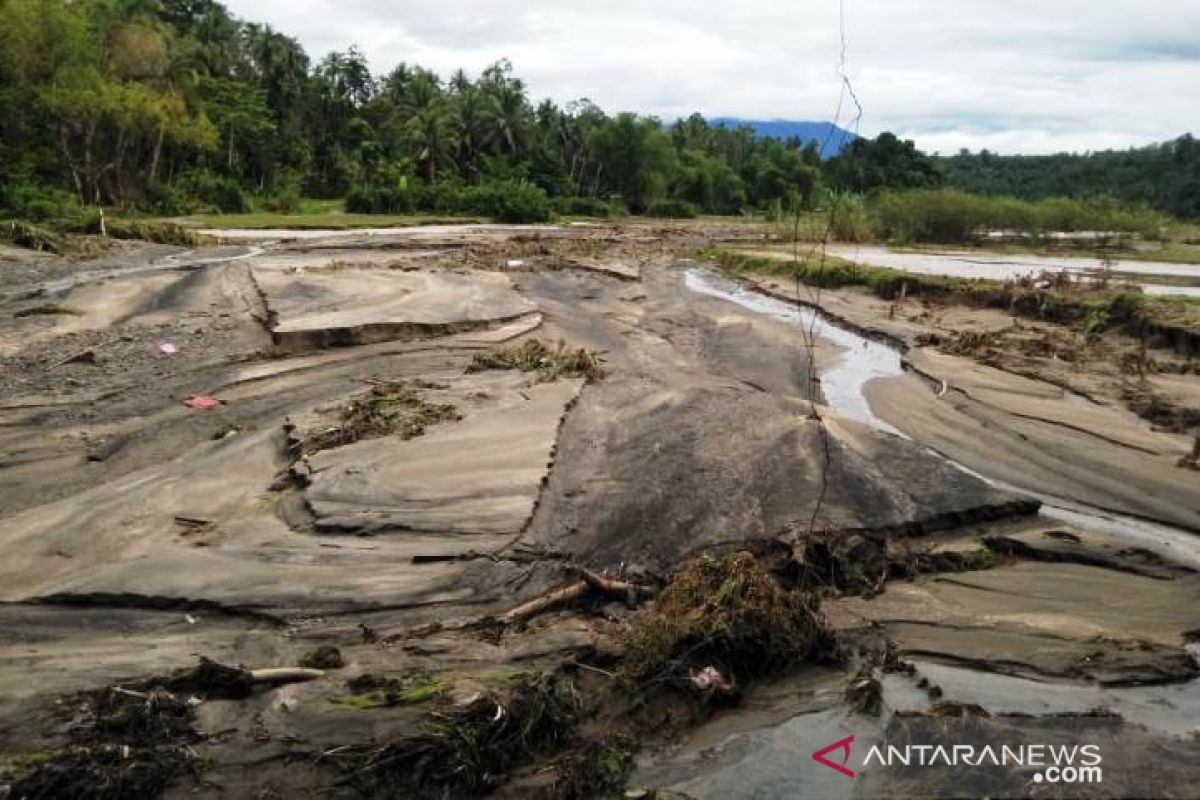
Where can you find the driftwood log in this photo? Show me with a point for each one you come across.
(572, 592)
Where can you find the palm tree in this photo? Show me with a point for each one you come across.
(429, 130)
(472, 129)
(510, 115)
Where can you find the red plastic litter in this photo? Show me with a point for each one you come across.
(202, 401)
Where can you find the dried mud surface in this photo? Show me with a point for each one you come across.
(385, 495)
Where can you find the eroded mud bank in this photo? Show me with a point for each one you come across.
(471, 521)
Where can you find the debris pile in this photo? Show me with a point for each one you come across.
(534, 356)
(389, 408)
(730, 614)
(469, 750)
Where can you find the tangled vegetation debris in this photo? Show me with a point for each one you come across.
(534, 356)
(126, 744)
(469, 750)
(595, 768)
(149, 231)
(374, 691)
(389, 408)
(731, 612)
(207, 679)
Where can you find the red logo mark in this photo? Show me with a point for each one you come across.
(844, 746)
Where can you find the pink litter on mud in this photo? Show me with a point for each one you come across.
(202, 401)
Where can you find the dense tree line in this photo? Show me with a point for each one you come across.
(174, 106)
(1165, 176)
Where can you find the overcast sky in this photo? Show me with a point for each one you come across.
(1028, 76)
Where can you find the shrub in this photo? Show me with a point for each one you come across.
(583, 207)
(381, 200)
(509, 201)
(956, 217)
(506, 201)
(848, 220)
(169, 200)
(37, 203)
(671, 209)
(215, 191)
(445, 197)
(286, 201)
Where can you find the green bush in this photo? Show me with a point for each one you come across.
(37, 203)
(445, 197)
(583, 207)
(381, 200)
(505, 201)
(217, 192)
(671, 209)
(286, 201)
(168, 200)
(848, 220)
(509, 201)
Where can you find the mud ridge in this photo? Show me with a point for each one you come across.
(373, 333)
(150, 603)
(993, 512)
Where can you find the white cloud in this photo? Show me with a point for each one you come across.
(1015, 76)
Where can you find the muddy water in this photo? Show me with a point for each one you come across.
(971, 264)
(842, 383)
(865, 359)
(1000, 267)
(1171, 708)
(773, 761)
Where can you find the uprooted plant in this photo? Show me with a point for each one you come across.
(730, 613)
(549, 363)
(135, 739)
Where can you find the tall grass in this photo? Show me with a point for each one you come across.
(950, 216)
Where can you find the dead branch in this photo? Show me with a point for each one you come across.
(572, 592)
(558, 596)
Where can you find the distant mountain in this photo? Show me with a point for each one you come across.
(829, 136)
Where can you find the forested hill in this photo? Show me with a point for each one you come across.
(173, 105)
(829, 137)
(1166, 176)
